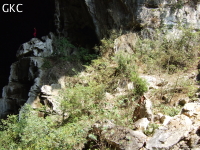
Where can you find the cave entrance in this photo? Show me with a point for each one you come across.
(76, 24)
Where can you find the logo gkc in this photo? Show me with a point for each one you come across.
(11, 8)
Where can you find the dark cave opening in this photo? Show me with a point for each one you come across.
(84, 37)
(77, 25)
(17, 28)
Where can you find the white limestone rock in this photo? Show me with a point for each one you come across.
(46, 90)
(191, 109)
(141, 124)
(36, 47)
(144, 109)
(125, 43)
(165, 119)
(166, 136)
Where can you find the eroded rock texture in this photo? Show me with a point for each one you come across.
(92, 18)
(25, 76)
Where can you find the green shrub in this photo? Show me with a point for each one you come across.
(80, 100)
(151, 129)
(36, 133)
(126, 63)
(62, 46)
(85, 56)
(140, 85)
(107, 44)
(169, 110)
(166, 53)
(46, 64)
(66, 51)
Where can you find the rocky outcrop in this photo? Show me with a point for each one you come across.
(174, 133)
(85, 23)
(167, 132)
(36, 47)
(143, 110)
(119, 137)
(181, 131)
(25, 76)
(165, 137)
(49, 98)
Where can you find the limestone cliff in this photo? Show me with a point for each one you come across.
(85, 23)
(108, 86)
(77, 18)
(25, 76)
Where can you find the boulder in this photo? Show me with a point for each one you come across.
(157, 117)
(122, 138)
(151, 80)
(183, 101)
(141, 124)
(191, 110)
(49, 99)
(46, 90)
(118, 137)
(143, 110)
(165, 119)
(125, 43)
(165, 137)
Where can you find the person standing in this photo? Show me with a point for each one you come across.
(35, 32)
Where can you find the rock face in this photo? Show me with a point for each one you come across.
(36, 47)
(127, 15)
(141, 124)
(73, 20)
(25, 76)
(49, 99)
(85, 23)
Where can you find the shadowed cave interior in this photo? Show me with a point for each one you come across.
(17, 28)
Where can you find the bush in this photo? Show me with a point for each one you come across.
(81, 100)
(169, 110)
(107, 44)
(46, 64)
(35, 133)
(167, 53)
(62, 46)
(126, 63)
(151, 129)
(140, 85)
(66, 51)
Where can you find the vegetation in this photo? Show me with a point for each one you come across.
(33, 133)
(68, 52)
(164, 53)
(100, 90)
(151, 129)
(65, 51)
